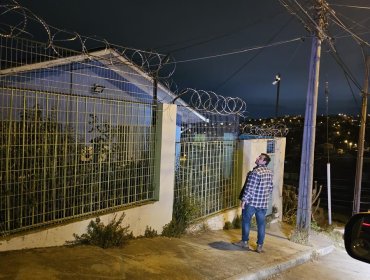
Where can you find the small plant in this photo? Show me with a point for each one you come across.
(228, 225)
(184, 213)
(204, 227)
(150, 233)
(237, 221)
(290, 202)
(111, 235)
(315, 226)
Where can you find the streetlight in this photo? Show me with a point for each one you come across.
(277, 82)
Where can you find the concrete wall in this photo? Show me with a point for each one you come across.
(155, 214)
(250, 150)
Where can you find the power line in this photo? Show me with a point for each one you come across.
(238, 52)
(253, 57)
(217, 37)
(337, 21)
(350, 6)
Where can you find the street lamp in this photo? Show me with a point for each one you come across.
(277, 82)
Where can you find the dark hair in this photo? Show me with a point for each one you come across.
(266, 157)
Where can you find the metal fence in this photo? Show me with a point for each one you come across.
(206, 166)
(77, 134)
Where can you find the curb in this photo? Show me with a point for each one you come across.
(263, 273)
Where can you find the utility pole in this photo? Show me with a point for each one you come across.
(277, 82)
(361, 140)
(308, 144)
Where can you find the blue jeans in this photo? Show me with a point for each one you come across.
(247, 214)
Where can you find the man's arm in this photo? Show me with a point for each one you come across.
(249, 189)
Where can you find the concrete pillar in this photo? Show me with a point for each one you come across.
(249, 150)
(279, 159)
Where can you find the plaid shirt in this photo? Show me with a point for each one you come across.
(258, 187)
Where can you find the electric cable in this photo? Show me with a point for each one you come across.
(237, 71)
(238, 51)
(351, 6)
(216, 37)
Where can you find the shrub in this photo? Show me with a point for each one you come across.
(111, 235)
(237, 221)
(228, 225)
(150, 233)
(184, 212)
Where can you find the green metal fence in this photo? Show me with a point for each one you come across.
(65, 156)
(77, 134)
(207, 163)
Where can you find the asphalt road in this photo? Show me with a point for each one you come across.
(335, 266)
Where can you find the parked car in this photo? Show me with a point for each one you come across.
(357, 237)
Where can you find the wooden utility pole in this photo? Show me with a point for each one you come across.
(361, 140)
(308, 144)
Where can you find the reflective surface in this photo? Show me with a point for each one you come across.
(357, 237)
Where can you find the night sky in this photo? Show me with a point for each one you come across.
(200, 28)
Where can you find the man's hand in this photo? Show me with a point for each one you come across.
(242, 204)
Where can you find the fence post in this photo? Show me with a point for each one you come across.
(164, 163)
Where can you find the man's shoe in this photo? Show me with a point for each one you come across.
(259, 248)
(242, 244)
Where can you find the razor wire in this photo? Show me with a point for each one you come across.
(212, 102)
(154, 64)
(278, 130)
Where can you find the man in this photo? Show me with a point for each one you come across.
(254, 201)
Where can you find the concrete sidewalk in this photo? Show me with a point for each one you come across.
(208, 255)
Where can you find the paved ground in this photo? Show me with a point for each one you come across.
(337, 265)
(208, 255)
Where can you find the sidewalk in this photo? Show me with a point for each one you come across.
(207, 255)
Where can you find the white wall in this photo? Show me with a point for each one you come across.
(155, 214)
(277, 193)
(251, 149)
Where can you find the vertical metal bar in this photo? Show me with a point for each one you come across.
(218, 169)
(55, 160)
(99, 170)
(65, 156)
(117, 165)
(45, 162)
(7, 164)
(87, 163)
(35, 162)
(24, 135)
(110, 146)
(76, 195)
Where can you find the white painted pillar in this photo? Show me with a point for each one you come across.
(279, 159)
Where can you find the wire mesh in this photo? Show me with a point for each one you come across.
(207, 161)
(77, 134)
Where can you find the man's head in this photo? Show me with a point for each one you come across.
(263, 159)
